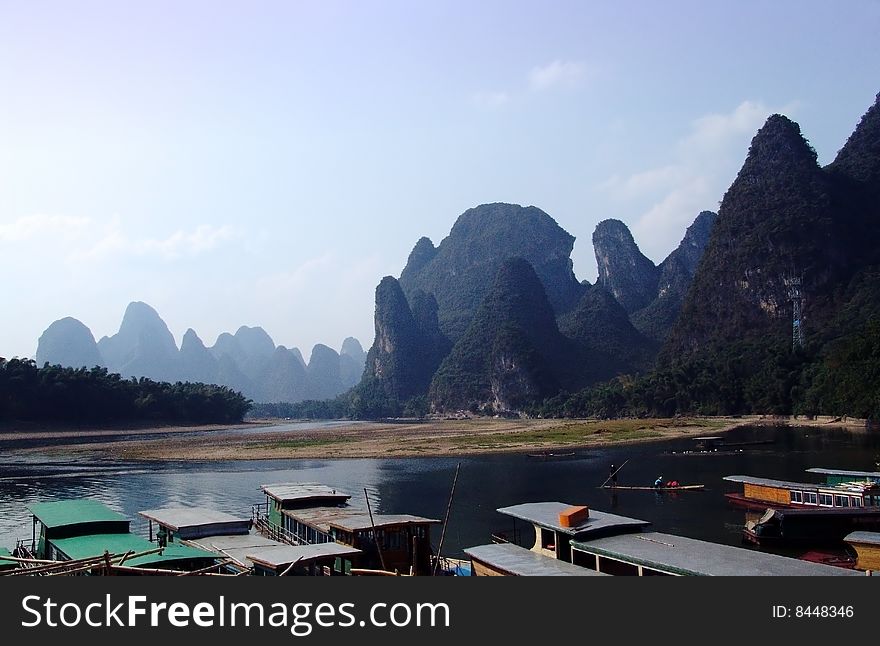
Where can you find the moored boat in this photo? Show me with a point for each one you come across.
(312, 513)
(87, 537)
(811, 527)
(603, 543)
(760, 493)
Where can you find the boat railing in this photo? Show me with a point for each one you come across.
(271, 530)
(506, 536)
(451, 566)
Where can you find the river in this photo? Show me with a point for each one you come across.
(421, 486)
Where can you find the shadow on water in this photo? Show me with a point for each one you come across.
(421, 486)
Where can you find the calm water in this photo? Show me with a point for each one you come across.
(421, 485)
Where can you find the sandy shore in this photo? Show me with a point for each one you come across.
(41, 432)
(413, 439)
(417, 439)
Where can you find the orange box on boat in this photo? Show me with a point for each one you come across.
(573, 516)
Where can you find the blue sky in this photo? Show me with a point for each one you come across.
(266, 163)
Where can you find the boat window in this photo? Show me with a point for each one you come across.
(548, 539)
(855, 502)
(826, 500)
(810, 498)
(796, 496)
(841, 501)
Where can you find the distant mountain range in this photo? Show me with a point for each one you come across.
(247, 361)
(493, 319)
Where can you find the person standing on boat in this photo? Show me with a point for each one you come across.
(658, 482)
(613, 476)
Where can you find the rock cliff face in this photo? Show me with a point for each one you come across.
(675, 274)
(623, 270)
(512, 353)
(403, 356)
(459, 271)
(69, 343)
(775, 222)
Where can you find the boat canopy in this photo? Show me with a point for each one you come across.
(67, 513)
(83, 547)
(193, 522)
(546, 515)
(304, 492)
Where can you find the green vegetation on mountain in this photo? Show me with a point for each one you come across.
(601, 328)
(731, 351)
(405, 354)
(57, 395)
(675, 274)
(512, 353)
(459, 272)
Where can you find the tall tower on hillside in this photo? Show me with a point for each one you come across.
(796, 296)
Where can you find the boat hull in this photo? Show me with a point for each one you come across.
(810, 527)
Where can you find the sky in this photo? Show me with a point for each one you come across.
(267, 163)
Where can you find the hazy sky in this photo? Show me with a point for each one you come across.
(266, 163)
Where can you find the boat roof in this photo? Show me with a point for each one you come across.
(688, 556)
(847, 487)
(83, 547)
(64, 513)
(303, 491)
(520, 561)
(198, 520)
(546, 514)
(351, 519)
(843, 472)
(236, 547)
(871, 538)
(283, 555)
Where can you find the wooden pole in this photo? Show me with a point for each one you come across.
(614, 473)
(16, 559)
(290, 567)
(373, 526)
(446, 519)
(205, 570)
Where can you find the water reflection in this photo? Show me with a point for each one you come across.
(421, 486)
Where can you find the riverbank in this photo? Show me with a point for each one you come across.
(39, 431)
(417, 438)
